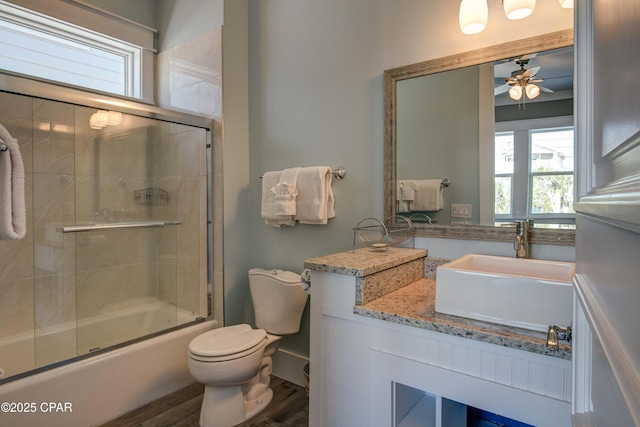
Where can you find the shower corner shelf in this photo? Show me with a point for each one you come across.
(151, 196)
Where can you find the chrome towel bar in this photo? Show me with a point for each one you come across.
(117, 226)
(3, 146)
(339, 173)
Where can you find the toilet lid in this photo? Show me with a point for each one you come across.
(226, 341)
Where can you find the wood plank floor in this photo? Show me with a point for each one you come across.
(289, 408)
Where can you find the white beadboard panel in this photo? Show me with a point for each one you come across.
(543, 375)
(515, 404)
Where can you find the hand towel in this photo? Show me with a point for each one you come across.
(404, 202)
(315, 203)
(428, 196)
(13, 224)
(269, 180)
(285, 192)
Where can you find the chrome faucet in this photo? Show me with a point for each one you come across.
(521, 242)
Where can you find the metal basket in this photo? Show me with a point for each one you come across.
(374, 233)
(152, 197)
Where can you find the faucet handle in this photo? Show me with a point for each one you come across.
(556, 333)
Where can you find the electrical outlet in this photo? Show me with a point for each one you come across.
(459, 210)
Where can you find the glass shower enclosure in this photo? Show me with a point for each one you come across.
(118, 225)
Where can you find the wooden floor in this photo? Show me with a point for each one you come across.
(289, 408)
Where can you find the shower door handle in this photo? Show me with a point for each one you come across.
(117, 226)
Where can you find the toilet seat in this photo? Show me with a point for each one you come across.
(228, 343)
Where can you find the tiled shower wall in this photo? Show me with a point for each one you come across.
(189, 79)
(49, 278)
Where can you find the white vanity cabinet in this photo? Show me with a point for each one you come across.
(373, 372)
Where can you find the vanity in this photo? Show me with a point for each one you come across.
(381, 355)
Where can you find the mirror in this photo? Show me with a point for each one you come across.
(460, 143)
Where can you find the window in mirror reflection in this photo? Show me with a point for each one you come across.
(534, 176)
(504, 157)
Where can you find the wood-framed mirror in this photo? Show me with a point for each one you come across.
(479, 57)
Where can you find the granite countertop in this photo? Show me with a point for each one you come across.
(364, 261)
(414, 305)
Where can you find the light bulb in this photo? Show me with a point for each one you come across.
(518, 9)
(515, 92)
(93, 122)
(567, 4)
(532, 91)
(115, 118)
(473, 16)
(102, 118)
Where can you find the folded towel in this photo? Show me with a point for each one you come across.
(285, 192)
(405, 194)
(428, 195)
(315, 203)
(13, 224)
(269, 180)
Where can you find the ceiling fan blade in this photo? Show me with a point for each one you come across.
(501, 89)
(545, 89)
(531, 72)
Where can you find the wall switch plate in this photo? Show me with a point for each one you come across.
(459, 210)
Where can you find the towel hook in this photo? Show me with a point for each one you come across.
(3, 146)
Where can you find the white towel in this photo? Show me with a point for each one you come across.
(13, 220)
(404, 205)
(285, 193)
(428, 196)
(405, 194)
(315, 203)
(269, 180)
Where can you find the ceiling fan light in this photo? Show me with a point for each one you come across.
(473, 16)
(567, 4)
(515, 92)
(518, 9)
(532, 91)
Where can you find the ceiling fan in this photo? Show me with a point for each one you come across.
(522, 81)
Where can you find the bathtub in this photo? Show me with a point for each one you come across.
(21, 353)
(99, 388)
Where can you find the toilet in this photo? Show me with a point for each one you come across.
(234, 362)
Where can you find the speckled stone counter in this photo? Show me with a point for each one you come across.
(400, 287)
(414, 305)
(365, 261)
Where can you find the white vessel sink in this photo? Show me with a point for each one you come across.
(526, 293)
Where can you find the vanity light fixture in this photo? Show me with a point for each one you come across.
(474, 14)
(518, 9)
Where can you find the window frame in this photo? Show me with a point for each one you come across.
(522, 207)
(137, 53)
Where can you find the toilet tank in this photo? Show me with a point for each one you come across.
(278, 300)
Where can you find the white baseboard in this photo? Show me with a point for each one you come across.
(289, 366)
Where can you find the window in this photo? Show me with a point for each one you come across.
(534, 175)
(551, 172)
(40, 46)
(504, 154)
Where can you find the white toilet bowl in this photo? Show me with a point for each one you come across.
(234, 362)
